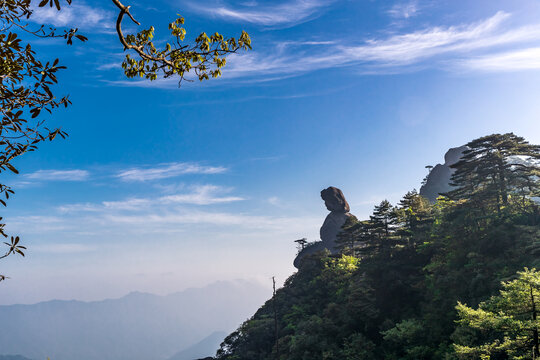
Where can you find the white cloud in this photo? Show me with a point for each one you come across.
(282, 14)
(129, 204)
(522, 59)
(62, 248)
(110, 61)
(404, 10)
(79, 207)
(237, 220)
(77, 15)
(22, 184)
(441, 47)
(38, 224)
(449, 48)
(160, 219)
(168, 171)
(111, 65)
(59, 175)
(386, 54)
(203, 195)
(413, 47)
(200, 195)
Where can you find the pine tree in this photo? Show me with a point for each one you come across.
(489, 171)
(509, 321)
(383, 219)
(349, 236)
(357, 238)
(380, 229)
(413, 214)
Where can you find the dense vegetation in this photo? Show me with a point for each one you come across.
(403, 275)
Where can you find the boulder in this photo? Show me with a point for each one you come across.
(438, 180)
(339, 213)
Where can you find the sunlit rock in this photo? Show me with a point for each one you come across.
(438, 180)
(339, 213)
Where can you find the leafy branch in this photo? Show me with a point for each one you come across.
(205, 57)
(26, 82)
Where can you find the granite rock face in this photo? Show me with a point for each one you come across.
(438, 180)
(339, 213)
(334, 200)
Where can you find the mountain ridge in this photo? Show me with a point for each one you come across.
(138, 326)
(204, 348)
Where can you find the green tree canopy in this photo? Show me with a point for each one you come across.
(509, 321)
(490, 170)
(395, 297)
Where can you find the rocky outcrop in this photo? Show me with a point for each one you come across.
(339, 213)
(438, 180)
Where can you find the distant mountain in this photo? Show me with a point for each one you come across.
(138, 326)
(13, 357)
(438, 180)
(206, 347)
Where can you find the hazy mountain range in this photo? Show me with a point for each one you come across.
(138, 326)
(203, 348)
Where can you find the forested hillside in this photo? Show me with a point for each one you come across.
(393, 292)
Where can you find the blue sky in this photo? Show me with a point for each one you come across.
(159, 188)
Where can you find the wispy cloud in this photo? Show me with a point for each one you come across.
(128, 204)
(202, 195)
(59, 175)
(111, 65)
(404, 10)
(199, 195)
(413, 47)
(522, 59)
(246, 221)
(160, 216)
(277, 202)
(109, 61)
(396, 50)
(432, 47)
(73, 248)
(39, 223)
(167, 171)
(393, 52)
(86, 207)
(77, 15)
(281, 14)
